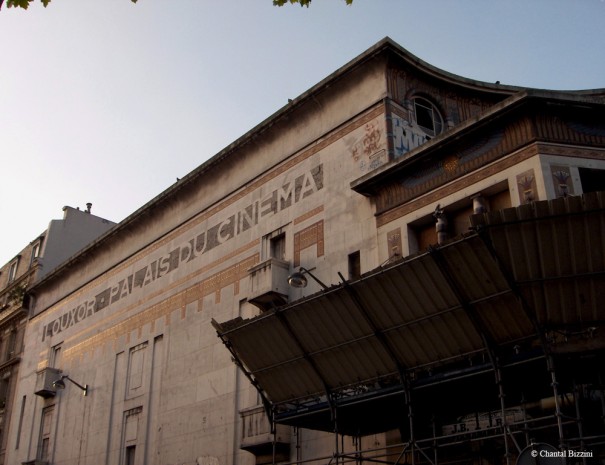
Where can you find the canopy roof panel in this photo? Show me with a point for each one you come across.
(525, 277)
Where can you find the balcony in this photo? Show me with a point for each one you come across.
(257, 437)
(269, 284)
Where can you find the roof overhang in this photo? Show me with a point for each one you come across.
(488, 124)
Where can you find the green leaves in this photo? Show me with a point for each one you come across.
(21, 3)
(283, 2)
(17, 3)
(300, 2)
(25, 3)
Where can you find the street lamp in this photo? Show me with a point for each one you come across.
(298, 278)
(60, 384)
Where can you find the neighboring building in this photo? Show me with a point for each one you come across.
(15, 276)
(393, 359)
(62, 239)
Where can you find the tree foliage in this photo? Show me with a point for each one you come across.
(25, 3)
(300, 2)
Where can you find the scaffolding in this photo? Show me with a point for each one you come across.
(473, 350)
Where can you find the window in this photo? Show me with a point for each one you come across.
(354, 265)
(4, 391)
(427, 117)
(274, 245)
(592, 180)
(454, 222)
(35, 252)
(130, 454)
(12, 271)
(10, 344)
(44, 452)
(278, 246)
(55, 356)
(130, 432)
(423, 233)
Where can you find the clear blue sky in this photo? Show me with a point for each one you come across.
(109, 102)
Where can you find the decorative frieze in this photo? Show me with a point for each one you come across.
(212, 285)
(313, 235)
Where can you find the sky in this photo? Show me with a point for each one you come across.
(110, 102)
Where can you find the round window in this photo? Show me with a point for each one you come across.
(427, 117)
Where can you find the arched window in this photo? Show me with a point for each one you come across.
(427, 117)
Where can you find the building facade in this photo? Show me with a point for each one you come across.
(385, 159)
(62, 239)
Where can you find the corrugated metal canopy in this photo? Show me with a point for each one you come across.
(521, 279)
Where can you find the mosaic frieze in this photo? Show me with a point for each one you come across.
(528, 191)
(367, 147)
(561, 176)
(394, 243)
(207, 287)
(313, 235)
